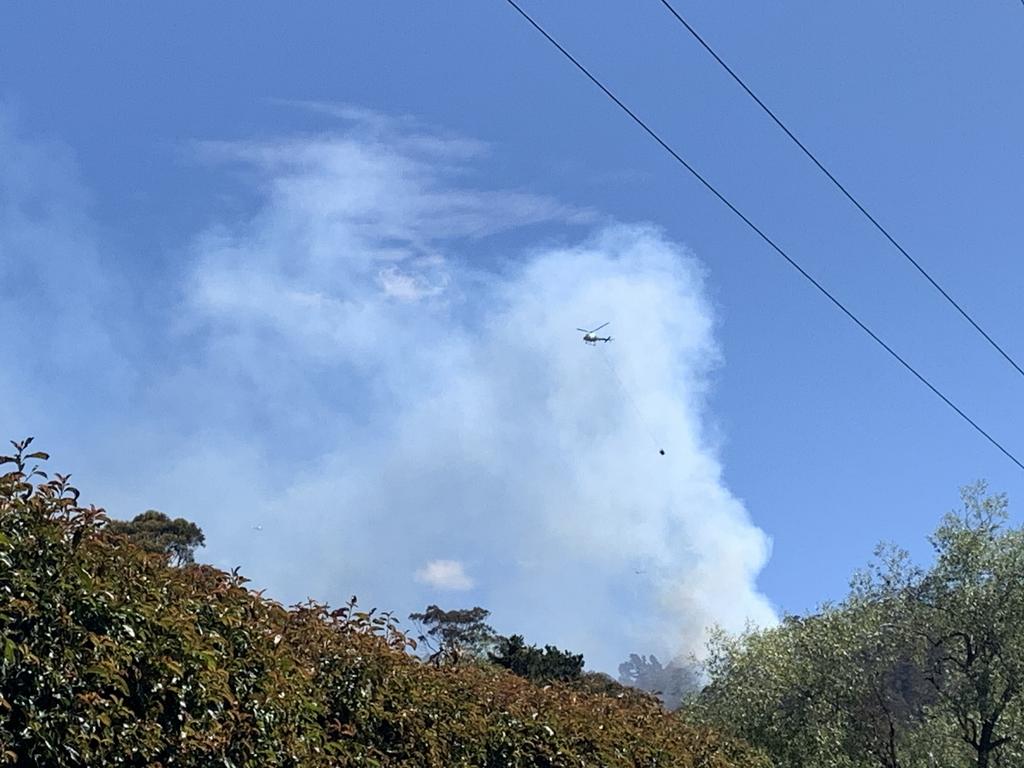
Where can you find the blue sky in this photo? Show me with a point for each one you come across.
(311, 267)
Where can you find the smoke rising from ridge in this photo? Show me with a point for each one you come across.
(487, 433)
(368, 385)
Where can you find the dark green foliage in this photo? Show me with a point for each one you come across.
(110, 657)
(540, 666)
(155, 532)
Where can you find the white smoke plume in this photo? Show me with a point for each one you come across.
(368, 385)
(475, 425)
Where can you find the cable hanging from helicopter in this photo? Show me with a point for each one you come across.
(590, 337)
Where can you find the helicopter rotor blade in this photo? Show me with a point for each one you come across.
(583, 329)
(600, 327)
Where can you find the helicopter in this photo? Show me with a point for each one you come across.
(591, 337)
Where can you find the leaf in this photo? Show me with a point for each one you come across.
(42, 455)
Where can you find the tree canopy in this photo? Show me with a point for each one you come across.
(455, 635)
(916, 667)
(155, 532)
(539, 665)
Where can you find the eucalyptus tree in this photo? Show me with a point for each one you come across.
(155, 532)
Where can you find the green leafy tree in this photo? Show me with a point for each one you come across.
(969, 609)
(764, 690)
(539, 665)
(965, 616)
(155, 532)
(455, 636)
(839, 688)
(918, 667)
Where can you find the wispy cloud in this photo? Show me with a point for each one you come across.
(444, 574)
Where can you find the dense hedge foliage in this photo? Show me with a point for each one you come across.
(109, 656)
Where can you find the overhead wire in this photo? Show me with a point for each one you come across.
(778, 249)
(842, 188)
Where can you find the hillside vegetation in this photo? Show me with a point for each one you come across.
(112, 656)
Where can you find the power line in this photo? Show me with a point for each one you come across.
(696, 174)
(841, 188)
